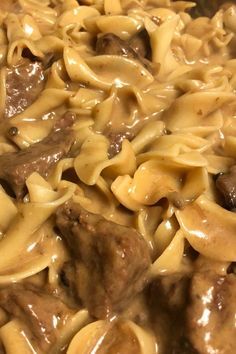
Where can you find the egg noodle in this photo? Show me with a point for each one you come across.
(179, 109)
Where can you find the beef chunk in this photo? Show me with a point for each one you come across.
(65, 121)
(24, 82)
(116, 140)
(183, 346)
(207, 8)
(110, 44)
(211, 313)
(16, 167)
(138, 47)
(172, 292)
(167, 299)
(111, 260)
(140, 43)
(47, 60)
(226, 184)
(42, 313)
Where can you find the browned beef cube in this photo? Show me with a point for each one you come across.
(111, 260)
(16, 167)
(65, 121)
(116, 140)
(42, 313)
(212, 312)
(226, 184)
(138, 47)
(140, 43)
(110, 44)
(167, 298)
(208, 8)
(171, 292)
(24, 82)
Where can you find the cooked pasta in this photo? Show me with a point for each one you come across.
(118, 177)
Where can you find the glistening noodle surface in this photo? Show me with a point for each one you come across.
(118, 177)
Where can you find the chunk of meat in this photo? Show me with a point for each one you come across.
(140, 43)
(16, 167)
(226, 184)
(24, 82)
(172, 291)
(65, 121)
(110, 44)
(116, 140)
(211, 313)
(42, 313)
(111, 260)
(208, 8)
(167, 299)
(138, 47)
(47, 60)
(183, 346)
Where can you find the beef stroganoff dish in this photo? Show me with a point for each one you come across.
(118, 177)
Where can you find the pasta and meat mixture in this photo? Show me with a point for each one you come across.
(118, 177)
